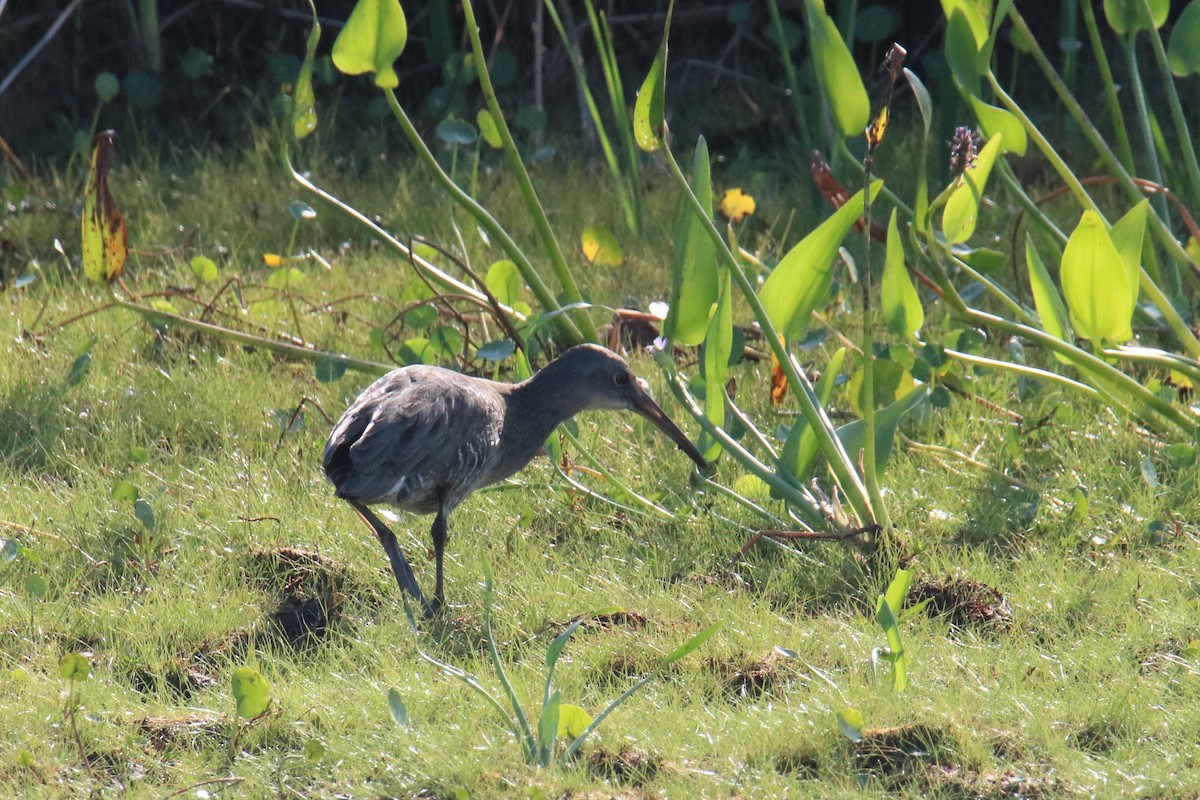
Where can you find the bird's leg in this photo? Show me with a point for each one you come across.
(401, 569)
(438, 533)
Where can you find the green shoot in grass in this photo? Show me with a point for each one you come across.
(557, 722)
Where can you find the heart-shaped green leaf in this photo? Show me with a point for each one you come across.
(372, 39)
(1096, 283)
(1183, 48)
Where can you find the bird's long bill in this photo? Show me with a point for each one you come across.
(645, 405)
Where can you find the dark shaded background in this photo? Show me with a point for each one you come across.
(726, 77)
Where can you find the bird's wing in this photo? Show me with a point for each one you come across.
(408, 439)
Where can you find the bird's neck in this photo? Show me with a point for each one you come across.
(539, 405)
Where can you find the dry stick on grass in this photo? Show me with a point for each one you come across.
(812, 536)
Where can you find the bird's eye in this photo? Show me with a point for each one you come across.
(621, 379)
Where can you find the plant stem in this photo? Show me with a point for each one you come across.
(1124, 149)
(540, 290)
(534, 206)
(1182, 133)
(840, 464)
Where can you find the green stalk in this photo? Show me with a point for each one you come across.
(549, 243)
(1158, 226)
(1124, 149)
(485, 219)
(1182, 133)
(603, 35)
(1162, 231)
(423, 266)
(610, 156)
(789, 71)
(870, 475)
(250, 340)
(796, 497)
(1129, 45)
(839, 462)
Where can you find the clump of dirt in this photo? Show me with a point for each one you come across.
(629, 663)
(310, 590)
(626, 766)
(954, 783)
(744, 676)
(1157, 657)
(187, 731)
(964, 604)
(798, 761)
(904, 752)
(185, 675)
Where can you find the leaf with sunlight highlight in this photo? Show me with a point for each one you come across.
(1127, 235)
(304, 102)
(572, 721)
(718, 344)
(250, 691)
(1096, 283)
(736, 205)
(105, 237)
(993, 120)
(1049, 303)
(961, 212)
(600, 247)
(694, 278)
(503, 281)
(901, 304)
(836, 71)
(649, 108)
(801, 281)
(372, 39)
(74, 667)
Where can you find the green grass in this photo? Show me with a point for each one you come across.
(1081, 684)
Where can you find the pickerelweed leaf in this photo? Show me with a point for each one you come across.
(488, 129)
(371, 40)
(850, 723)
(694, 277)
(1125, 16)
(74, 667)
(961, 212)
(993, 120)
(718, 344)
(1096, 283)
(901, 304)
(1127, 235)
(1183, 48)
(600, 246)
(572, 721)
(397, 708)
(1049, 304)
(250, 691)
(304, 102)
(456, 131)
(648, 110)
(836, 72)
(801, 281)
(205, 269)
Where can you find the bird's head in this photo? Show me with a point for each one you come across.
(605, 381)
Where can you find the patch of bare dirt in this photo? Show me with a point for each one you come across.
(964, 604)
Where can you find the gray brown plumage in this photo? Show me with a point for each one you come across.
(423, 438)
